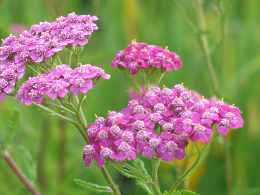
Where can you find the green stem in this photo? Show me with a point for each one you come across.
(104, 171)
(56, 113)
(63, 108)
(160, 78)
(110, 181)
(33, 69)
(59, 60)
(205, 48)
(202, 155)
(146, 81)
(80, 111)
(187, 172)
(203, 39)
(43, 68)
(81, 127)
(155, 179)
(81, 130)
(76, 52)
(70, 57)
(133, 81)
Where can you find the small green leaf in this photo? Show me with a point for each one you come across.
(135, 170)
(93, 187)
(140, 164)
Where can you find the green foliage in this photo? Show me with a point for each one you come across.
(185, 192)
(10, 127)
(92, 187)
(136, 170)
(181, 192)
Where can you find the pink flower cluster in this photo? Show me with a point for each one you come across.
(59, 82)
(9, 74)
(138, 56)
(39, 43)
(158, 122)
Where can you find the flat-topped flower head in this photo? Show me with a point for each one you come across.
(139, 56)
(39, 43)
(59, 82)
(160, 123)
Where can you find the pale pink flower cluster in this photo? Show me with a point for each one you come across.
(59, 82)
(39, 43)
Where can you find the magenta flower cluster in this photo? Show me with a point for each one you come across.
(39, 43)
(59, 82)
(139, 56)
(158, 122)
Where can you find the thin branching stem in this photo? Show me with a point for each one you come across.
(80, 111)
(33, 69)
(59, 59)
(63, 108)
(160, 78)
(155, 179)
(186, 16)
(19, 173)
(205, 48)
(134, 82)
(82, 120)
(104, 171)
(110, 181)
(56, 113)
(189, 170)
(70, 57)
(203, 39)
(78, 120)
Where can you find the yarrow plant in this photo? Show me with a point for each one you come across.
(158, 123)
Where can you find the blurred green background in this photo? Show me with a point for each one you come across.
(50, 152)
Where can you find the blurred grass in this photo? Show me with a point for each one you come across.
(233, 30)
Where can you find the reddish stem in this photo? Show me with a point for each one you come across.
(18, 172)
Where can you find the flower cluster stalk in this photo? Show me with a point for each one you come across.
(155, 178)
(203, 39)
(104, 171)
(80, 123)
